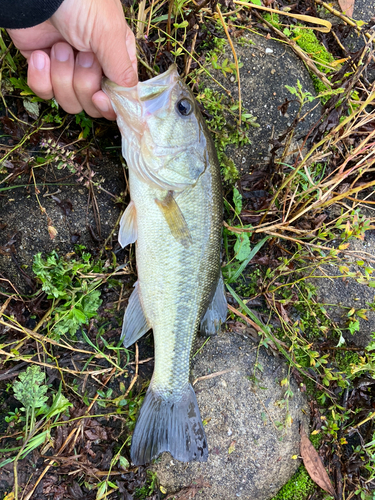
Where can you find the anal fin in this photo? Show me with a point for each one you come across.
(135, 323)
(216, 312)
(175, 219)
(128, 226)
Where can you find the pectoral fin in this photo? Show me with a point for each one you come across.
(216, 312)
(175, 219)
(135, 323)
(128, 226)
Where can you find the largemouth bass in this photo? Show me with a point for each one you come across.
(175, 218)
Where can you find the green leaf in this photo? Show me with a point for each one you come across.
(237, 200)
(52, 274)
(32, 108)
(184, 24)
(85, 122)
(242, 246)
(101, 490)
(124, 463)
(353, 326)
(59, 405)
(244, 307)
(112, 485)
(7, 461)
(28, 388)
(35, 441)
(159, 19)
(79, 315)
(251, 255)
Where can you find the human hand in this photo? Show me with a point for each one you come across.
(103, 43)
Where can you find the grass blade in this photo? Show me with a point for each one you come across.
(252, 254)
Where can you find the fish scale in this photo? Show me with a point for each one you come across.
(175, 218)
(174, 296)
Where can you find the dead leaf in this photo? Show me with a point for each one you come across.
(232, 447)
(314, 465)
(189, 492)
(283, 108)
(52, 231)
(347, 6)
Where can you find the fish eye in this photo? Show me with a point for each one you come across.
(184, 107)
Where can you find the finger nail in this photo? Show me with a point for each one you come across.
(62, 52)
(38, 60)
(85, 59)
(102, 106)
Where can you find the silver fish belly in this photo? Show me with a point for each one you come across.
(175, 218)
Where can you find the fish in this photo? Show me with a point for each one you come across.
(175, 220)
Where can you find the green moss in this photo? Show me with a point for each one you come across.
(316, 439)
(224, 124)
(244, 41)
(299, 487)
(149, 488)
(273, 19)
(344, 359)
(309, 43)
(319, 86)
(224, 128)
(250, 285)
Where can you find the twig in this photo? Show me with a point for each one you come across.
(345, 18)
(120, 298)
(307, 19)
(141, 362)
(5, 305)
(52, 367)
(188, 63)
(149, 19)
(143, 62)
(141, 18)
(212, 375)
(369, 417)
(245, 318)
(42, 338)
(170, 7)
(235, 61)
(134, 379)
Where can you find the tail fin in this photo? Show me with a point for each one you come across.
(169, 425)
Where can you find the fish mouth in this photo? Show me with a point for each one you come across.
(133, 105)
(148, 94)
(140, 110)
(161, 81)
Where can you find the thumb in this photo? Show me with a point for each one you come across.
(117, 56)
